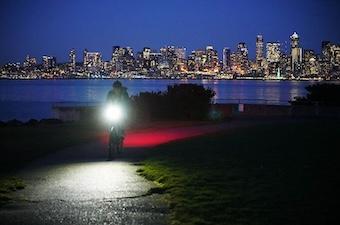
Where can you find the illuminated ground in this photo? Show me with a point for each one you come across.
(77, 186)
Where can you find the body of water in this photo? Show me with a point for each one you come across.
(26, 99)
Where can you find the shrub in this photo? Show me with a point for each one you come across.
(322, 94)
(179, 101)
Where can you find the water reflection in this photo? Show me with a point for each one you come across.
(42, 93)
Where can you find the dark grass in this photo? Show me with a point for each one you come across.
(9, 185)
(23, 144)
(285, 173)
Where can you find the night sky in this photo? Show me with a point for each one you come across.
(38, 27)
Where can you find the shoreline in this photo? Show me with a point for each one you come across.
(179, 79)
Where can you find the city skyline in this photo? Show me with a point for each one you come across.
(271, 62)
(77, 54)
(38, 28)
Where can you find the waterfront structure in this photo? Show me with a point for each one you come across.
(49, 62)
(296, 54)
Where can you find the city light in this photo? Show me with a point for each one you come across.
(271, 62)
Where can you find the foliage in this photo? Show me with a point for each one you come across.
(322, 94)
(180, 101)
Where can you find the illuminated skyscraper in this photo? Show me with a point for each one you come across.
(30, 61)
(259, 49)
(273, 52)
(92, 59)
(72, 59)
(226, 58)
(310, 63)
(241, 63)
(122, 59)
(146, 53)
(296, 54)
(180, 53)
(49, 62)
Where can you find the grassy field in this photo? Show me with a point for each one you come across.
(283, 173)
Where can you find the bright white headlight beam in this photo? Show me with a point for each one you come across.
(113, 113)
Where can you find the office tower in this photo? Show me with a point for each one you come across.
(92, 59)
(85, 57)
(259, 49)
(296, 53)
(122, 59)
(72, 59)
(180, 53)
(172, 57)
(242, 49)
(333, 54)
(30, 62)
(226, 58)
(129, 51)
(196, 60)
(115, 54)
(241, 62)
(146, 53)
(211, 61)
(325, 50)
(330, 59)
(273, 52)
(49, 62)
(310, 63)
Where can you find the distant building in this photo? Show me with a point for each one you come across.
(146, 53)
(49, 62)
(296, 54)
(30, 62)
(170, 55)
(72, 59)
(259, 49)
(180, 53)
(226, 58)
(240, 62)
(212, 62)
(311, 65)
(273, 52)
(326, 50)
(122, 59)
(92, 60)
(330, 59)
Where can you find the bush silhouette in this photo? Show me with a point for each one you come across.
(322, 94)
(179, 101)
